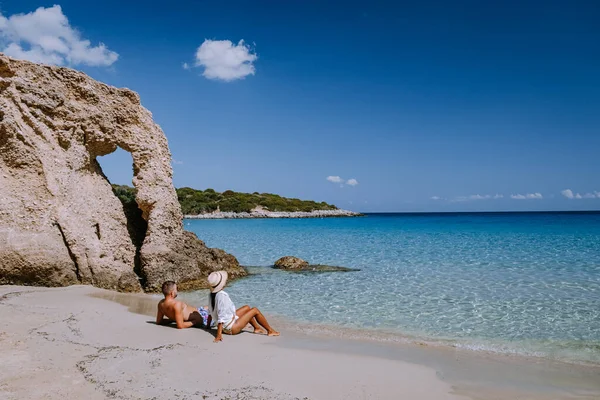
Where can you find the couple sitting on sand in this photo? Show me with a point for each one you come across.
(220, 311)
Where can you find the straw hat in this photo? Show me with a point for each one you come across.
(217, 281)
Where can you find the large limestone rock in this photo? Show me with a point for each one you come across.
(60, 222)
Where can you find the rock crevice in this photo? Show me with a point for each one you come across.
(54, 122)
(71, 255)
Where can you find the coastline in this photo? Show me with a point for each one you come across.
(275, 214)
(82, 341)
(73, 344)
(415, 271)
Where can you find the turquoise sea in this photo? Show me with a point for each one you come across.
(518, 283)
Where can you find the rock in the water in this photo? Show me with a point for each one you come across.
(290, 263)
(60, 222)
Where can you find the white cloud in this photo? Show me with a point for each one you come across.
(46, 36)
(223, 60)
(475, 197)
(342, 181)
(472, 197)
(177, 162)
(185, 66)
(528, 196)
(568, 193)
(468, 198)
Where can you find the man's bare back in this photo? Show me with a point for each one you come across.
(176, 311)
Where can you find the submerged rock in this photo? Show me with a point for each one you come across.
(289, 263)
(60, 222)
(326, 268)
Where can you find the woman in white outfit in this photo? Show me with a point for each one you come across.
(223, 313)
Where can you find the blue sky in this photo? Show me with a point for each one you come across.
(436, 106)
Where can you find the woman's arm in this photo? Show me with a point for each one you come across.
(219, 337)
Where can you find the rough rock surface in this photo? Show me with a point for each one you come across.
(60, 222)
(290, 263)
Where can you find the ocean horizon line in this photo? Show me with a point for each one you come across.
(478, 212)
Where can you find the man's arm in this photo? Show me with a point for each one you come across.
(159, 316)
(181, 324)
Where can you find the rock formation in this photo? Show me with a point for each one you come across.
(290, 263)
(60, 222)
(295, 264)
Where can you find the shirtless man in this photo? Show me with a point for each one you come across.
(176, 311)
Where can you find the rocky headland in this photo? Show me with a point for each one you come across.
(60, 222)
(275, 214)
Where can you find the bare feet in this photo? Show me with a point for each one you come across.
(273, 333)
(259, 331)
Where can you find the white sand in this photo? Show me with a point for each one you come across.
(69, 343)
(63, 344)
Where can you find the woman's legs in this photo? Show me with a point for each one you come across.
(251, 314)
(243, 310)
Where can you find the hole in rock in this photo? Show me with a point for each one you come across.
(117, 167)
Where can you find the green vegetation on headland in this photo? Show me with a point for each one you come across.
(194, 202)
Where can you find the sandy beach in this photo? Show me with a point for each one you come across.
(75, 343)
(212, 152)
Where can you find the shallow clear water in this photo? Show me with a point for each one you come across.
(517, 283)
